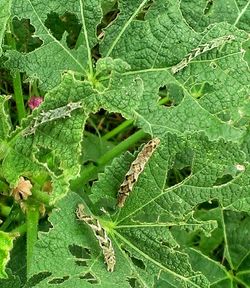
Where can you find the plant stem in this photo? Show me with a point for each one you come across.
(91, 170)
(127, 123)
(4, 210)
(32, 218)
(21, 229)
(41, 196)
(13, 213)
(121, 147)
(117, 130)
(17, 83)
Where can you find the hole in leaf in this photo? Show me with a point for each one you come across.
(164, 243)
(35, 279)
(201, 89)
(138, 262)
(208, 6)
(110, 13)
(196, 240)
(24, 36)
(95, 51)
(133, 282)
(219, 252)
(176, 176)
(224, 116)
(58, 280)
(48, 157)
(141, 15)
(81, 263)
(170, 95)
(80, 253)
(58, 25)
(208, 205)
(44, 224)
(103, 122)
(90, 278)
(213, 65)
(223, 180)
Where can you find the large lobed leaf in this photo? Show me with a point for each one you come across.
(4, 17)
(151, 38)
(6, 244)
(139, 50)
(147, 233)
(54, 56)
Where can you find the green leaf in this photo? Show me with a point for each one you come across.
(49, 143)
(151, 48)
(214, 271)
(53, 57)
(234, 12)
(84, 259)
(144, 225)
(5, 125)
(237, 234)
(210, 162)
(94, 147)
(4, 17)
(11, 282)
(6, 244)
(208, 83)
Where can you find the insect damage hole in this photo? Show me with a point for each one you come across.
(135, 170)
(101, 235)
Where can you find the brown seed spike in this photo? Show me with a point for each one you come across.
(135, 170)
(101, 235)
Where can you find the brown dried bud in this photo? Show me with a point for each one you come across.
(22, 190)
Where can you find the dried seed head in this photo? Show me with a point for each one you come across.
(22, 190)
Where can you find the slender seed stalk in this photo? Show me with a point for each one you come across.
(4, 210)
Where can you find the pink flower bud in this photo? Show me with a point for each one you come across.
(34, 102)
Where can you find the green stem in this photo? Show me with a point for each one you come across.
(4, 210)
(117, 130)
(17, 83)
(127, 123)
(91, 170)
(121, 147)
(13, 214)
(32, 218)
(21, 229)
(41, 196)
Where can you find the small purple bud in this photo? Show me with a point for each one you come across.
(34, 102)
